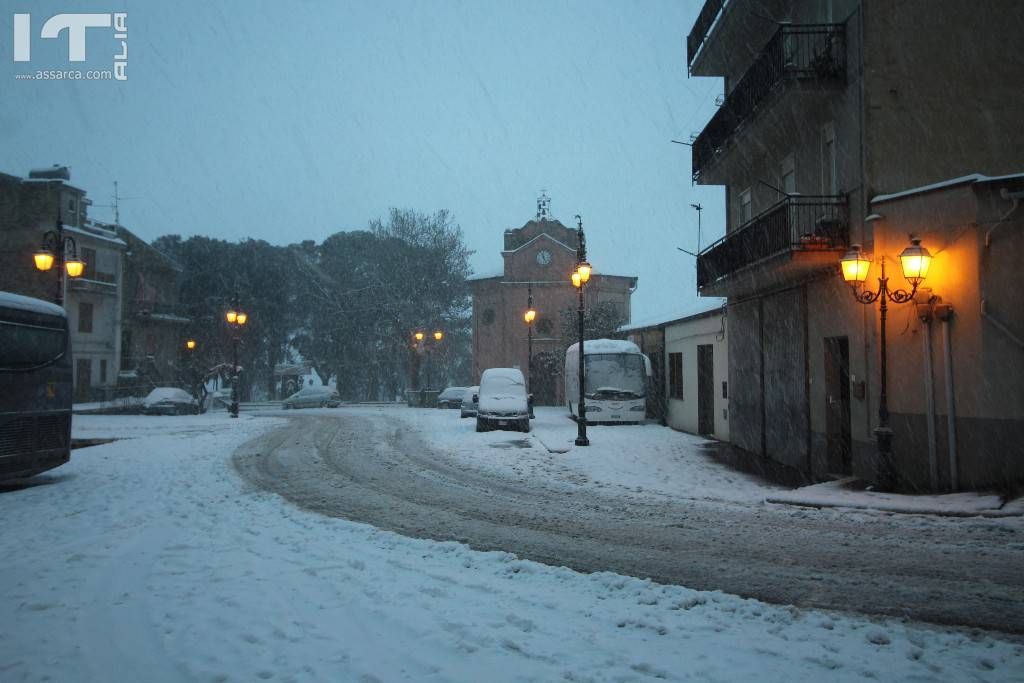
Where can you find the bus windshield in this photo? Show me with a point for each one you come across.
(26, 346)
(615, 376)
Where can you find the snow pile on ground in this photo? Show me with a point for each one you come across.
(645, 459)
(148, 559)
(840, 494)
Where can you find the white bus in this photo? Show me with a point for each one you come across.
(616, 381)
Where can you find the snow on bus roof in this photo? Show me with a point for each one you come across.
(27, 303)
(605, 346)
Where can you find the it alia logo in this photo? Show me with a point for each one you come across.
(76, 26)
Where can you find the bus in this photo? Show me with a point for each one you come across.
(35, 386)
(617, 376)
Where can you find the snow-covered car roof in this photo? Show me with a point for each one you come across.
(315, 390)
(171, 394)
(452, 392)
(509, 374)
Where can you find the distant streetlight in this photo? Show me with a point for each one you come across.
(190, 344)
(236, 319)
(914, 260)
(580, 278)
(60, 250)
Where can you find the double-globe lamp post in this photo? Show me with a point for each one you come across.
(914, 261)
(580, 278)
(60, 250)
(236, 319)
(420, 336)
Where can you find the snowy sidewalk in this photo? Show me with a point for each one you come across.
(849, 493)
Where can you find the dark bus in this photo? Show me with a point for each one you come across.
(35, 386)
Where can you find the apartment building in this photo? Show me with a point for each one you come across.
(830, 107)
(46, 201)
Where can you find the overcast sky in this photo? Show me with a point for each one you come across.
(290, 121)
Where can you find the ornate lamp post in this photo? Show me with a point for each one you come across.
(914, 260)
(236, 319)
(60, 250)
(580, 277)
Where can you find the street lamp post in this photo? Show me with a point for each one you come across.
(55, 250)
(529, 317)
(914, 260)
(236, 319)
(438, 336)
(580, 277)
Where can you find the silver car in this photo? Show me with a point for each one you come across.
(451, 397)
(170, 401)
(312, 397)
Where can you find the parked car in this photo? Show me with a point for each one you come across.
(312, 397)
(451, 397)
(502, 402)
(170, 401)
(469, 400)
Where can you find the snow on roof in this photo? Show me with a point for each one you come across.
(531, 241)
(604, 346)
(27, 303)
(658, 321)
(486, 275)
(95, 235)
(971, 178)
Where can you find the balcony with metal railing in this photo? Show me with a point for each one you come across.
(701, 28)
(804, 52)
(795, 237)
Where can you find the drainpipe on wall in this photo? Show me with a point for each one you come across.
(944, 312)
(924, 313)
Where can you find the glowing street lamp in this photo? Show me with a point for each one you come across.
(236, 319)
(914, 261)
(60, 250)
(190, 344)
(44, 259)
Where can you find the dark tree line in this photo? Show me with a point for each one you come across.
(347, 306)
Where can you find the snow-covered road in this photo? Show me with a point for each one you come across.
(641, 501)
(150, 559)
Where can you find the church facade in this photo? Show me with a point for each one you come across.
(537, 261)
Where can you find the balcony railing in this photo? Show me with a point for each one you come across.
(701, 28)
(803, 52)
(797, 223)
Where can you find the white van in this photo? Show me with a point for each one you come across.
(502, 401)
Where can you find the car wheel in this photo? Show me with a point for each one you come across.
(480, 427)
(323, 404)
(463, 415)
